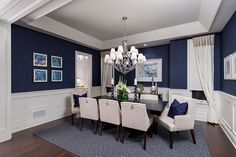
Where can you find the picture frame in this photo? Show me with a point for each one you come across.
(56, 76)
(40, 60)
(233, 58)
(151, 68)
(56, 62)
(228, 67)
(40, 75)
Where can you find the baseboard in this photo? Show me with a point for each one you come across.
(5, 135)
(228, 132)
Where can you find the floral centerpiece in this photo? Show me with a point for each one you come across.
(122, 90)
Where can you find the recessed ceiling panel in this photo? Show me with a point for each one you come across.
(102, 18)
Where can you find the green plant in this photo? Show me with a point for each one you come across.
(140, 88)
(122, 90)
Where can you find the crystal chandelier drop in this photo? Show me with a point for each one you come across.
(123, 60)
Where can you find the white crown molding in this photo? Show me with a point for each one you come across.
(19, 9)
(44, 10)
(207, 13)
(161, 34)
(59, 29)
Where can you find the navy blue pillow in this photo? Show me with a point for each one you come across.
(177, 108)
(76, 99)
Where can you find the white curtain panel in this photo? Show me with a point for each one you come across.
(106, 77)
(204, 53)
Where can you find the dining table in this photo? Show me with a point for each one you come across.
(153, 106)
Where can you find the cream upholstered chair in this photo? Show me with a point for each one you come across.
(75, 111)
(89, 110)
(149, 96)
(180, 122)
(110, 113)
(134, 116)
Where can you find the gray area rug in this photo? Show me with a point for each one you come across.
(86, 144)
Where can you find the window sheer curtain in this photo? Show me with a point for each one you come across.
(106, 74)
(204, 53)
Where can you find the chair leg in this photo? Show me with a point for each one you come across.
(101, 128)
(81, 123)
(193, 136)
(72, 119)
(123, 135)
(145, 140)
(97, 123)
(118, 133)
(171, 139)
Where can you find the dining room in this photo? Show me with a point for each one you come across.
(117, 78)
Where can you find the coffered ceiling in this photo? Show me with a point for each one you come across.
(98, 24)
(102, 18)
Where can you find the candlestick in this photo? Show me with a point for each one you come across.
(112, 81)
(135, 81)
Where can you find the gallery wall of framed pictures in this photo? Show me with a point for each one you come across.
(40, 70)
(230, 67)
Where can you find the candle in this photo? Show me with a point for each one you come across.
(135, 81)
(112, 81)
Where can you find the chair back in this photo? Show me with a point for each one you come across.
(134, 115)
(109, 111)
(89, 108)
(191, 104)
(149, 97)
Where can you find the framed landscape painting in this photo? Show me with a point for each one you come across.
(147, 70)
(40, 75)
(56, 76)
(56, 62)
(40, 60)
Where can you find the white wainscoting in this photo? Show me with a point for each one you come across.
(228, 115)
(33, 108)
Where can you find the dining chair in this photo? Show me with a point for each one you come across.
(149, 97)
(134, 116)
(180, 122)
(110, 113)
(89, 110)
(75, 109)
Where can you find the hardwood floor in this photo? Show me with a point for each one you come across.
(25, 144)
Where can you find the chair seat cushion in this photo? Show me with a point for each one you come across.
(177, 108)
(167, 123)
(76, 99)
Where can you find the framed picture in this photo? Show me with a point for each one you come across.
(40, 60)
(147, 70)
(56, 76)
(227, 67)
(233, 56)
(56, 62)
(40, 75)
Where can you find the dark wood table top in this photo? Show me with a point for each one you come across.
(151, 105)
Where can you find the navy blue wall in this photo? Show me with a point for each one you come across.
(26, 41)
(152, 53)
(178, 64)
(228, 46)
(217, 61)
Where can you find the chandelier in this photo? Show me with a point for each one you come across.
(123, 60)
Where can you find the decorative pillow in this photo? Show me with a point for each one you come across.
(76, 99)
(177, 108)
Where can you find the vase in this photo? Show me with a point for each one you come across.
(122, 96)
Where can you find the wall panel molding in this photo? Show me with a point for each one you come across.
(228, 115)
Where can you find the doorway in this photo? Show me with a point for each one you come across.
(83, 72)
